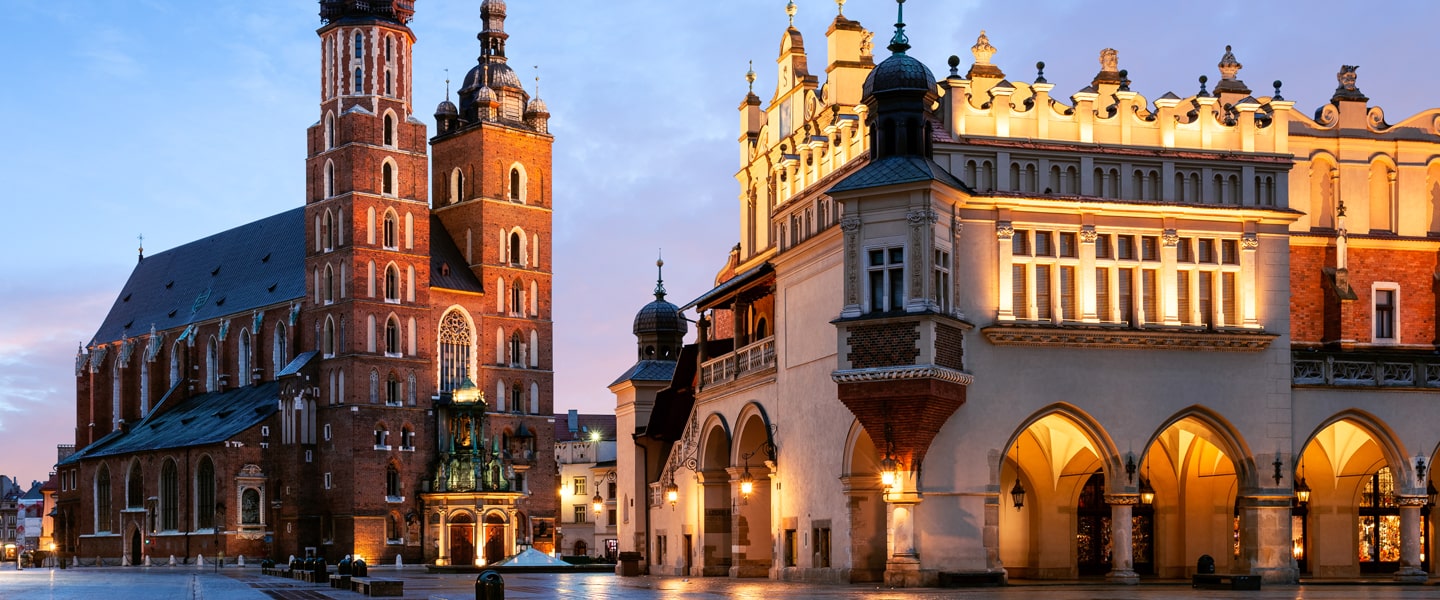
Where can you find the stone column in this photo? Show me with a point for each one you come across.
(1410, 571)
(902, 562)
(1265, 542)
(1122, 550)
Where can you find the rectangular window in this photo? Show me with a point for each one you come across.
(1102, 294)
(580, 514)
(887, 279)
(1184, 252)
(1206, 297)
(1067, 294)
(1126, 295)
(1102, 246)
(1385, 315)
(1232, 300)
(1229, 252)
(1067, 245)
(1207, 251)
(1148, 295)
(1043, 244)
(1125, 247)
(1020, 243)
(940, 287)
(1020, 299)
(1182, 292)
(327, 481)
(790, 547)
(579, 486)
(1149, 248)
(1042, 292)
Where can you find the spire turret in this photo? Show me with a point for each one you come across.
(899, 93)
(659, 328)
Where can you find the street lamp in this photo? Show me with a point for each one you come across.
(597, 503)
(672, 494)
(747, 483)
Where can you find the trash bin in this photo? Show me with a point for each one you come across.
(629, 564)
(1206, 565)
(489, 586)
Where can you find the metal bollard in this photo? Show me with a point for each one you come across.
(1206, 565)
(490, 586)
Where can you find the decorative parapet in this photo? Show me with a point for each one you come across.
(1350, 370)
(906, 372)
(1116, 338)
(755, 358)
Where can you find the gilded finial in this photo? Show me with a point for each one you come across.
(750, 76)
(537, 80)
(841, 5)
(790, 10)
(447, 84)
(141, 237)
(659, 275)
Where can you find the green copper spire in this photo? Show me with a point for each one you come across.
(899, 44)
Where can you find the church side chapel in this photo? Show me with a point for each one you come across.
(368, 374)
(976, 329)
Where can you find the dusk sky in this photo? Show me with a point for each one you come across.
(180, 119)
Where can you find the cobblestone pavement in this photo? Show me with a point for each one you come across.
(192, 583)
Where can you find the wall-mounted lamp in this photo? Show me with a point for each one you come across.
(1420, 468)
(1130, 467)
(747, 483)
(672, 494)
(888, 467)
(1278, 465)
(1302, 489)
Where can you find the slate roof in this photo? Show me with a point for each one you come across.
(648, 370)
(198, 421)
(448, 268)
(896, 170)
(603, 423)
(235, 271)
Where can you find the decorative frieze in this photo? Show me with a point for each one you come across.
(1154, 339)
(901, 373)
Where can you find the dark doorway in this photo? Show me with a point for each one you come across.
(462, 540)
(689, 552)
(1092, 532)
(135, 548)
(494, 539)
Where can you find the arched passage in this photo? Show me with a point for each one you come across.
(865, 506)
(754, 460)
(1359, 484)
(713, 478)
(1051, 457)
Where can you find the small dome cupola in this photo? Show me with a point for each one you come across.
(899, 93)
(659, 327)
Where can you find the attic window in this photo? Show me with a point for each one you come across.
(126, 298)
(186, 420)
(265, 258)
(271, 288)
(171, 314)
(216, 271)
(127, 325)
(444, 270)
(224, 413)
(220, 302)
(170, 284)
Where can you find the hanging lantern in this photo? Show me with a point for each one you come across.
(747, 483)
(597, 503)
(1017, 494)
(672, 494)
(888, 467)
(1302, 491)
(1147, 493)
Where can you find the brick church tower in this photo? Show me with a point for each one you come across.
(367, 309)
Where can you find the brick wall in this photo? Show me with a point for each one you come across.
(883, 345)
(949, 349)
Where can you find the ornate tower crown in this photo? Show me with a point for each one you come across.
(399, 11)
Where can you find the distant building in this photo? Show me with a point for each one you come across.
(353, 376)
(976, 329)
(585, 452)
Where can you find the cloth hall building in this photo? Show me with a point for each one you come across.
(366, 374)
(978, 328)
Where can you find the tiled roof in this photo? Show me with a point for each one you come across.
(254, 265)
(896, 170)
(199, 421)
(648, 370)
(448, 268)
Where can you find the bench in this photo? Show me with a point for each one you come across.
(276, 572)
(1221, 581)
(310, 576)
(340, 582)
(372, 586)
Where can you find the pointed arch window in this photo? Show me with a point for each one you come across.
(169, 497)
(457, 185)
(281, 350)
(392, 486)
(387, 179)
(329, 284)
(392, 284)
(516, 184)
(517, 254)
(329, 178)
(389, 118)
(250, 507)
(205, 494)
(392, 336)
(175, 364)
(212, 366)
(328, 343)
(455, 343)
(329, 133)
(517, 298)
(243, 347)
(359, 79)
(359, 46)
(393, 393)
(517, 350)
(517, 397)
(103, 518)
(392, 230)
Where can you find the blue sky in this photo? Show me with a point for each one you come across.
(178, 119)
